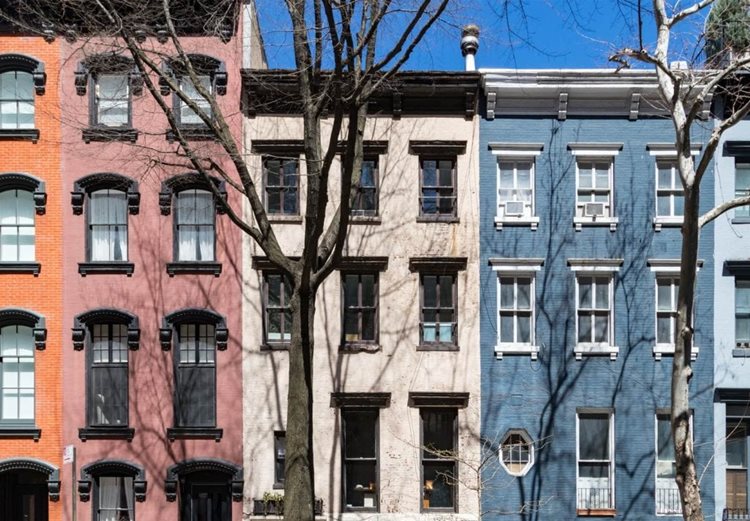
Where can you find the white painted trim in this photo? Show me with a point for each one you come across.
(517, 219)
(597, 348)
(532, 453)
(668, 266)
(533, 222)
(612, 452)
(529, 150)
(594, 266)
(525, 269)
(595, 149)
(516, 265)
(668, 149)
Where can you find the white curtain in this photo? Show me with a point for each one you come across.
(195, 225)
(108, 221)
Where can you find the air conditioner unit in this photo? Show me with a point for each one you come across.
(593, 209)
(514, 208)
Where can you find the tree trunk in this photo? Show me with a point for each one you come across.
(682, 372)
(299, 493)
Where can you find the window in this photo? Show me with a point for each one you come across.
(281, 183)
(439, 477)
(666, 310)
(360, 458)
(670, 197)
(111, 100)
(667, 494)
(594, 188)
(438, 324)
(17, 226)
(736, 450)
(17, 374)
(186, 115)
(742, 187)
(438, 187)
(517, 452)
(596, 454)
(366, 200)
(195, 386)
(516, 310)
(515, 188)
(277, 312)
(16, 100)
(108, 226)
(194, 226)
(279, 458)
(115, 499)
(108, 377)
(360, 299)
(742, 313)
(594, 310)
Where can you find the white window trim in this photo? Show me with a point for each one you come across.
(594, 151)
(516, 151)
(588, 268)
(666, 151)
(529, 442)
(664, 412)
(666, 268)
(518, 267)
(612, 452)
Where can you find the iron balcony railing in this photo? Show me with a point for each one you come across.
(595, 497)
(668, 500)
(735, 514)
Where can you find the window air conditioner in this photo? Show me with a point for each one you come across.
(593, 209)
(514, 208)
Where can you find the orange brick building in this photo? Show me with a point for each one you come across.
(30, 280)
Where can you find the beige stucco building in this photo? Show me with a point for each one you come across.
(404, 376)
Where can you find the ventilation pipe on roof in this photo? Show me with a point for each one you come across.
(470, 45)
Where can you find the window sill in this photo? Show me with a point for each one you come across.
(740, 352)
(516, 349)
(20, 134)
(106, 433)
(197, 133)
(580, 222)
(21, 267)
(284, 219)
(741, 220)
(666, 222)
(281, 346)
(365, 219)
(447, 219)
(202, 433)
(194, 268)
(533, 222)
(18, 432)
(106, 268)
(278, 486)
(596, 349)
(668, 350)
(596, 512)
(359, 347)
(438, 346)
(106, 134)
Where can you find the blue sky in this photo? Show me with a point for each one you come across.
(518, 34)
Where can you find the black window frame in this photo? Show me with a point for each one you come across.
(357, 211)
(109, 225)
(88, 483)
(11, 62)
(439, 343)
(176, 226)
(360, 309)
(18, 226)
(203, 66)
(282, 187)
(279, 459)
(437, 460)
(284, 308)
(373, 487)
(183, 426)
(452, 189)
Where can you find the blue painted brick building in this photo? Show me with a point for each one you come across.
(580, 244)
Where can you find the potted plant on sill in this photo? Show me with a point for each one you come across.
(272, 504)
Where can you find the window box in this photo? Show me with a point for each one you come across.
(275, 507)
(106, 268)
(21, 267)
(193, 268)
(106, 433)
(106, 134)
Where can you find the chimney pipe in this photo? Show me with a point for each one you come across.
(470, 44)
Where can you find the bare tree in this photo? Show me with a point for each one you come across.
(686, 92)
(342, 58)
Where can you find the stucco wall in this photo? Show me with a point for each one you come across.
(543, 396)
(397, 367)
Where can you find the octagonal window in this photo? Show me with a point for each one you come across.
(517, 452)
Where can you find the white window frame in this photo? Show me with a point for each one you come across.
(663, 153)
(16, 227)
(516, 153)
(669, 482)
(742, 214)
(739, 283)
(517, 268)
(595, 152)
(667, 269)
(611, 414)
(597, 268)
(526, 441)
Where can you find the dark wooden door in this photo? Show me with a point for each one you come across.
(30, 503)
(207, 502)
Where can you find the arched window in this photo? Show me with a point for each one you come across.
(21, 334)
(110, 198)
(194, 222)
(196, 335)
(108, 335)
(21, 77)
(211, 74)
(117, 485)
